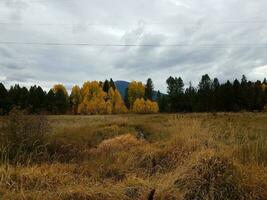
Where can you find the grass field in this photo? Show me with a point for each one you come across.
(168, 157)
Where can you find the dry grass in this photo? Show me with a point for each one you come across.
(190, 156)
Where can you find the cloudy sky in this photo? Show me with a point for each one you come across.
(224, 38)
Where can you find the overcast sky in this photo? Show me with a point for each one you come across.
(224, 38)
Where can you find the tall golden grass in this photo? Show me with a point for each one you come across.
(189, 156)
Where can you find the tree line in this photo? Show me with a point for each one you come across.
(104, 98)
(92, 98)
(212, 96)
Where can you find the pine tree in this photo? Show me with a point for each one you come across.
(216, 103)
(162, 102)
(237, 96)
(175, 92)
(106, 86)
(61, 102)
(149, 89)
(18, 97)
(4, 102)
(112, 84)
(159, 100)
(190, 99)
(126, 99)
(205, 93)
(36, 99)
(50, 102)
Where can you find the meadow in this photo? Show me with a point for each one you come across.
(163, 157)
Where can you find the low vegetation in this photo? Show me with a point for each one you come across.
(160, 157)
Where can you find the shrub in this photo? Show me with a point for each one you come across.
(142, 106)
(22, 137)
(212, 178)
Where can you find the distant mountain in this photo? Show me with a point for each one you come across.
(122, 86)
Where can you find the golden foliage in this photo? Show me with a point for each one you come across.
(94, 106)
(59, 87)
(116, 101)
(92, 90)
(135, 90)
(96, 101)
(145, 106)
(75, 98)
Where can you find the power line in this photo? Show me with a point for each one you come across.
(33, 1)
(118, 24)
(135, 45)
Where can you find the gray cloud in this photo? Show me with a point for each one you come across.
(235, 29)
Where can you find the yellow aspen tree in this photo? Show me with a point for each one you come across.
(151, 107)
(142, 106)
(139, 106)
(83, 108)
(97, 106)
(111, 94)
(116, 101)
(118, 104)
(109, 107)
(92, 89)
(93, 99)
(61, 87)
(135, 90)
(75, 98)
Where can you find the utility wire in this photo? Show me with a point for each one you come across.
(135, 45)
(34, 1)
(127, 24)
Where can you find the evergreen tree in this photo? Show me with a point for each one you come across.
(149, 89)
(259, 96)
(18, 96)
(61, 102)
(162, 102)
(126, 98)
(106, 86)
(205, 93)
(250, 94)
(50, 102)
(244, 92)
(227, 97)
(112, 84)
(175, 92)
(216, 102)
(190, 99)
(237, 92)
(4, 102)
(36, 99)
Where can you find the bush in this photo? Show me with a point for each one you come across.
(142, 106)
(212, 178)
(22, 137)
